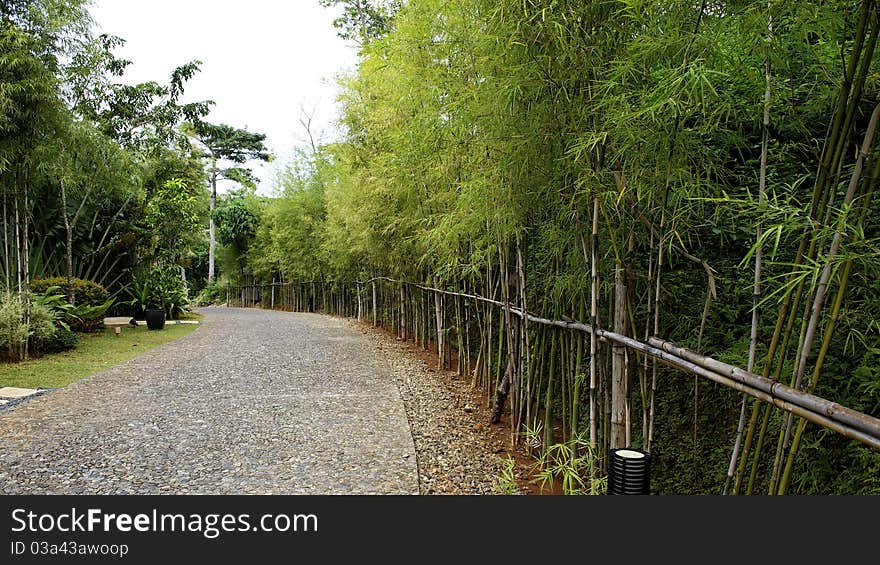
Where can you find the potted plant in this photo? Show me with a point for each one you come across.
(155, 318)
(146, 297)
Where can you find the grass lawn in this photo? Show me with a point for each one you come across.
(93, 354)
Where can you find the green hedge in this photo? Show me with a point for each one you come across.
(84, 292)
(92, 301)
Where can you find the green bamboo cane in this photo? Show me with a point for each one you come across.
(829, 331)
(548, 396)
(818, 303)
(831, 155)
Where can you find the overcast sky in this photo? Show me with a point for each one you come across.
(262, 61)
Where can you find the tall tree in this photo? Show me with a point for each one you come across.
(364, 20)
(226, 143)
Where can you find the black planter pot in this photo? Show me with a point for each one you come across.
(155, 318)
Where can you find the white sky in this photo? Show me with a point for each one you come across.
(262, 61)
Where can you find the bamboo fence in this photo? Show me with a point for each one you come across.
(454, 323)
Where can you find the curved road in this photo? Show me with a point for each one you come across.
(253, 402)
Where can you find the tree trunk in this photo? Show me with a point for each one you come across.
(212, 242)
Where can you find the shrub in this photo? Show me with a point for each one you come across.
(13, 330)
(213, 293)
(92, 301)
(62, 340)
(84, 292)
(15, 333)
(41, 322)
(89, 318)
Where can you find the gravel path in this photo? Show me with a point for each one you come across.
(458, 451)
(254, 402)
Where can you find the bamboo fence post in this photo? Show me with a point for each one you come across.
(401, 313)
(458, 337)
(618, 369)
(375, 314)
(467, 331)
(438, 315)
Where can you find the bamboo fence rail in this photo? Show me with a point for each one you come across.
(390, 309)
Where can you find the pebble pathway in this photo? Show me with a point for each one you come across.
(254, 402)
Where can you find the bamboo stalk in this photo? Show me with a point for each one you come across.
(576, 392)
(833, 148)
(6, 272)
(818, 303)
(458, 337)
(564, 387)
(618, 367)
(657, 304)
(643, 376)
(27, 270)
(438, 313)
(819, 298)
(830, 326)
(525, 349)
(830, 162)
(759, 230)
(548, 396)
(594, 313)
(17, 241)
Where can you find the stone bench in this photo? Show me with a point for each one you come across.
(117, 323)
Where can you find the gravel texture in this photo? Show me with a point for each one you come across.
(253, 402)
(257, 402)
(457, 451)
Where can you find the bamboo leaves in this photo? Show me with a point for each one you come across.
(479, 134)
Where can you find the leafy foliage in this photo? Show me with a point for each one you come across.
(64, 339)
(20, 327)
(86, 292)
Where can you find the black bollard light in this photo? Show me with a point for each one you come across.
(629, 472)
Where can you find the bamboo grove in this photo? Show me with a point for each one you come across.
(690, 172)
